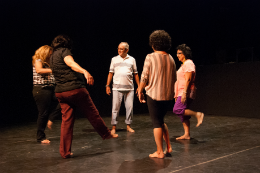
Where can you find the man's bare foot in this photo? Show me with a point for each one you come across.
(113, 131)
(45, 141)
(156, 155)
(129, 129)
(199, 117)
(49, 124)
(183, 137)
(112, 135)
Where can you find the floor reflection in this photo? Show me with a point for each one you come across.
(185, 142)
(146, 164)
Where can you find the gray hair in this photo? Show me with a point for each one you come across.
(125, 44)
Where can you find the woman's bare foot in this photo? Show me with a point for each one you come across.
(183, 137)
(156, 155)
(49, 124)
(69, 156)
(199, 117)
(167, 150)
(129, 129)
(45, 141)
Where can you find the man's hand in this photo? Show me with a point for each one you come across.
(108, 91)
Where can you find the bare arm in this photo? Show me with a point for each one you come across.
(76, 67)
(188, 76)
(140, 92)
(109, 79)
(40, 70)
(136, 80)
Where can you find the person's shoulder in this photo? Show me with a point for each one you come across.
(189, 62)
(130, 57)
(115, 57)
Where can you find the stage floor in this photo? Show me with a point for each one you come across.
(221, 144)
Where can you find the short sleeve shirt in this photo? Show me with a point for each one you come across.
(123, 69)
(66, 78)
(188, 66)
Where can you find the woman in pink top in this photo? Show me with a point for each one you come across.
(185, 90)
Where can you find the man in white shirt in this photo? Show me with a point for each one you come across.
(123, 67)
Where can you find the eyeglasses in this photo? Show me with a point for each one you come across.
(120, 48)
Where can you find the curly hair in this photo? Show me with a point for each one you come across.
(42, 53)
(61, 41)
(185, 50)
(160, 40)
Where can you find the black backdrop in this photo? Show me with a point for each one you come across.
(98, 26)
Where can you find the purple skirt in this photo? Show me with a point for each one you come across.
(179, 108)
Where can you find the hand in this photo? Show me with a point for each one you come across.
(89, 78)
(108, 91)
(183, 98)
(141, 97)
(176, 99)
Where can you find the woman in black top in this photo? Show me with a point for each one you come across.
(72, 94)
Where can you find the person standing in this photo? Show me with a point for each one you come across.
(158, 78)
(185, 90)
(122, 69)
(72, 94)
(43, 91)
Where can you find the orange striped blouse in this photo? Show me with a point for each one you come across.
(159, 74)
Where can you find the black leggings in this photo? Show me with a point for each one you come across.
(157, 111)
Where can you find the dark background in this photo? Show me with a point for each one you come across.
(223, 35)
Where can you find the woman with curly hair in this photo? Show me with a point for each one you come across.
(185, 90)
(72, 94)
(43, 91)
(158, 78)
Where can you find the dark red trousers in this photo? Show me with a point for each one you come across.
(77, 99)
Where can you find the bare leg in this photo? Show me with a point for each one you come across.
(129, 129)
(186, 126)
(113, 131)
(167, 139)
(198, 115)
(158, 136)
(49, 124)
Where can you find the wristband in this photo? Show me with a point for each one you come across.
(107, 85)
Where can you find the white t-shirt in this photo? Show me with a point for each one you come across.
(123, 69)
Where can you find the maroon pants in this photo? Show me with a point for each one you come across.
(77, 99)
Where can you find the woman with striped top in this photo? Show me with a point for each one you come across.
(43, 91)
(158, 78)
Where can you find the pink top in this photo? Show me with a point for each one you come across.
(188, 66)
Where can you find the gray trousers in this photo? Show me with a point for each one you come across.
(117, 99)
